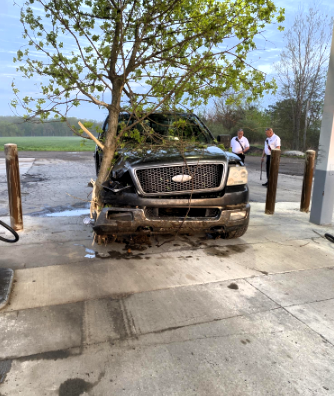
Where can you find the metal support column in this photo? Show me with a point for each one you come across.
(323, 188)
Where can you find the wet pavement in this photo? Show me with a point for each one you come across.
(57, 180)
(53, 182)
(77, 209)
(55, 155)
(184, 315)
(6, 281)
(288, 165)
(24, 165)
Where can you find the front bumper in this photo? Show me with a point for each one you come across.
(133, 220)
(230, 198)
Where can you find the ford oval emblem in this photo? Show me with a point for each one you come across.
(181, 178)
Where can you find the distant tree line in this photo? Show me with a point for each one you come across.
(302, 72)
(15, 126)
(301, 75)
(228, 119)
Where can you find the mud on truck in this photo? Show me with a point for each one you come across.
(179, 181)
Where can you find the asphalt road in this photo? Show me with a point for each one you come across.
(59, 180)
(61, 155)
(290, 179)
(288, 166)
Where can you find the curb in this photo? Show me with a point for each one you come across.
(6, 283)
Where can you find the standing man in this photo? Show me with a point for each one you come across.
(272, 142)
(240, 145)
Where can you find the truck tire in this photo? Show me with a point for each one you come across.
(237, 233)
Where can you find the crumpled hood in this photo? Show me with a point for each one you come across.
(159, 156)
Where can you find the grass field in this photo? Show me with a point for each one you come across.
(49, 143)
(59, 143)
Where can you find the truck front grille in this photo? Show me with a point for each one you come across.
(159, 180)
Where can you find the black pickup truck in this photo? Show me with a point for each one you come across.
(162, 190)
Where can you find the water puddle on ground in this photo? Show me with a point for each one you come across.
(90, 253)
(76, 210)
(112, 254)
(67, 213)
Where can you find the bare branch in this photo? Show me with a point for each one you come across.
(98, 142)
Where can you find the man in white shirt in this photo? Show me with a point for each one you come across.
(240, 145)
(272, 142)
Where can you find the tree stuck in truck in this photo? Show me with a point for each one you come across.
(177, 180)
(139, 57)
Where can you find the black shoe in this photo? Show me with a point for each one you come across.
(265, 184)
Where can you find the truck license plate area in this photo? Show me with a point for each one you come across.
(160, 213)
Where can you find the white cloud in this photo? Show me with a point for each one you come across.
(6, 75)
(265, 68)
(7, 52)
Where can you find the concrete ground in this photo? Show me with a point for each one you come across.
(183, 316)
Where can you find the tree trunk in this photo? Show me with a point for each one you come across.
(297, 132)
(305, 126)
(108, 151)
(293, 114)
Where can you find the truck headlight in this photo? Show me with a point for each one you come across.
(237, 175)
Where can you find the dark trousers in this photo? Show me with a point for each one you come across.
(241, 156)
(268, 166)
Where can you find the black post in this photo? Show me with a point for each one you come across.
(272, 182)
(307, 181)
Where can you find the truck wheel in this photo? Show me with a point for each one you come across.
(237, 233)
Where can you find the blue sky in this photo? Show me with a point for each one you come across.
(269, 47)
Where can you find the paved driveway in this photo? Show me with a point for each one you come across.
(173, 316)
(24, 166)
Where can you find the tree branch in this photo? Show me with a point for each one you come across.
(91, 135)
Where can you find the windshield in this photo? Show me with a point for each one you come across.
(176, 127)
(173, 127)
